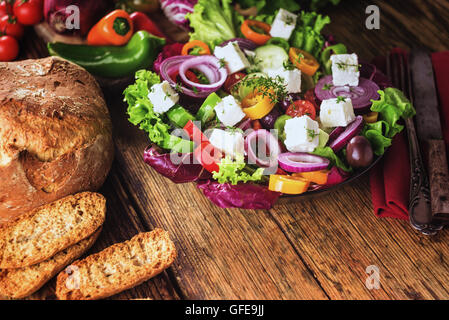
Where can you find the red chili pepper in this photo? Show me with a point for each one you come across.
(142, 22)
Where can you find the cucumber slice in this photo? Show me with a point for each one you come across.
(271, 57)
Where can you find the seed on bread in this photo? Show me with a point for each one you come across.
(22, 282)
(117, 268)
(41, 233)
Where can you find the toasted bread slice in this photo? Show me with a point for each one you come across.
(117, 268)
(41, 233)
(22, 282)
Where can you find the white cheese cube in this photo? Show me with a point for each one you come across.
(337, 112)
(163, 97)
(345, 70)
(229, 111)
(233, 57)
(231, 143)
(283, 25)
(291, 78)
(302, 134)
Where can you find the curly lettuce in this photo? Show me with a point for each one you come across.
(214, 21)
(392, 106)
(335, 160)
(233, 171)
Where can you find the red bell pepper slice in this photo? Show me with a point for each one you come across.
(208, 156)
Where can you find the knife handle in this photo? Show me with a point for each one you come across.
(419, 206)
(438, 176)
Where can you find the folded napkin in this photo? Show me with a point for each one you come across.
(390, 179)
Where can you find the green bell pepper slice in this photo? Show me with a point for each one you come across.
(179, 116)
(206, 113)
(279, 125)
(111, 61)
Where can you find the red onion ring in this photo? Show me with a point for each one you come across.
(208, 65)
(244, 44)
(351, 131)
(302, 162)
(360, 96)
(335, 133)
(262, 138)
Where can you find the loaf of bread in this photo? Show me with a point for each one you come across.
(41, 233)
(22, 282)
(55, 134)
(117, 268)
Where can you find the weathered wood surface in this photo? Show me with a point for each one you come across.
(311, 249)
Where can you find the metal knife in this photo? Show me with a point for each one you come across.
(428, 125)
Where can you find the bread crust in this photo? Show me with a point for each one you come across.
(117, 268)
(55, 134)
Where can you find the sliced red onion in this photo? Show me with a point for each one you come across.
(245, 124)
(335, 133)
(244, 44)
(360, 96)
(302, 162)
(264, 142)
(351, 131)
(208, 65)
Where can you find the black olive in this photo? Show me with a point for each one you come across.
(359, 152)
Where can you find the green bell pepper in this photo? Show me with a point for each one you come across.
(326, 56)
(179, 116)
(110, 61)
(279, 125)
(206, 112)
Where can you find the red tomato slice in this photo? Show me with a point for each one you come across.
(300, 108)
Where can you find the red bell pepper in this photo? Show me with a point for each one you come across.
(142, 22)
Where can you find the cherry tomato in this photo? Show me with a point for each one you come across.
(256, 125)
(232, 80)
(28, 12)
(9, 48)
(189, 74)
(300, 108)
(5, 8)
(10, 27)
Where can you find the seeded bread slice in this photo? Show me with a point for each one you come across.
(41, 233)
(22, 282)
(117, 268)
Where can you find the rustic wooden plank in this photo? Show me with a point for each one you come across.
(223, 254)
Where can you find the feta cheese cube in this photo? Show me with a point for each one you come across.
(231, 143)
(229, 111)
(283, 25)
(302, 134)
(345, 70)
(337, 112)
(291, 78)
(163, 97)
(234, 58)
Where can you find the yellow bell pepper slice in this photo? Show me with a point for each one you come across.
(318, 177)
(256, 105)
(288, 184)
(304, 61)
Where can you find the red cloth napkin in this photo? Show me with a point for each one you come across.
(390, 179)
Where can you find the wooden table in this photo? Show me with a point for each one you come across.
(312, 249)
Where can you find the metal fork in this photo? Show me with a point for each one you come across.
(420, 211)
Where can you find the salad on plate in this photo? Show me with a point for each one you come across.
(251, 108)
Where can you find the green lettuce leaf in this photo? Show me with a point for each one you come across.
(392, 106)
(233, 171)
(328, 153)
(140, 112)
(213, 22)
(270, 7)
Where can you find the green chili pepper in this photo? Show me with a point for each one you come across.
(279, 125)
(280, 43)
(109, 61)
(206, 112)
(179, 116)
(326, 56)
(176, 144)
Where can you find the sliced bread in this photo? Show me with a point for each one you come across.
(41, 233)
(117, 268)
(22, 282)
